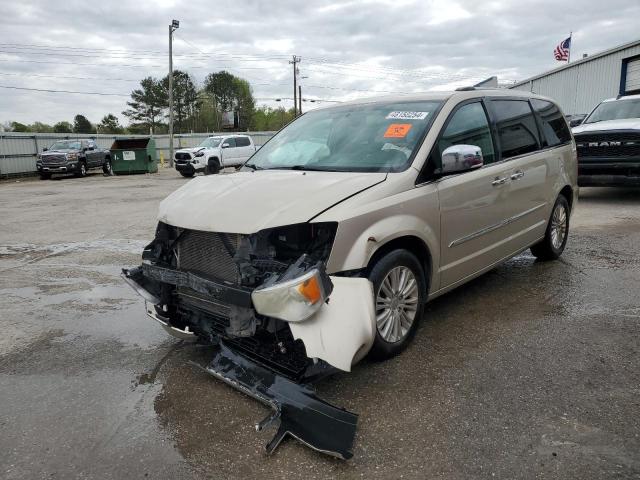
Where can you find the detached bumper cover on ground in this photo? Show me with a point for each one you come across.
(302, 415)
(337, 335)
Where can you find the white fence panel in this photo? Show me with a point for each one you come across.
(18, 150)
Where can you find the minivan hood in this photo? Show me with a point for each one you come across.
(247, 202)
(623, 124)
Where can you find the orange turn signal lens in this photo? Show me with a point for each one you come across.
(311, 290)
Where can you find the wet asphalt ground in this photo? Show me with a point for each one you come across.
(531, 371)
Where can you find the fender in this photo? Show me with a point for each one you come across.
(416, 214)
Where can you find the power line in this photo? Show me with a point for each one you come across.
(139, 55)
(277, 99)
(195, 57)
(320, 62)
(64, 91)
(258, 83)
(71, 77)
(85, 64)
(118, 64)
(189, 43)
(128, 51)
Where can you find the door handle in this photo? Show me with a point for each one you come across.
(499, 181)
(517, 175)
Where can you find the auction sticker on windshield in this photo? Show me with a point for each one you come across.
(407, 115)
(397, 130)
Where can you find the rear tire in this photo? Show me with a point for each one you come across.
(107, 168)
(555, 238)
(400, 293)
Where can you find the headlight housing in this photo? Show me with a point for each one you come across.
(199, 154)
(294, 300)
(72, 156)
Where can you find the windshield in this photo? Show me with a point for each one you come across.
(377, 137)
(210, 143)
(66, 145)
(617, 110)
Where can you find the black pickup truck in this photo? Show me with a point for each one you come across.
(608, 143)
(73, 156)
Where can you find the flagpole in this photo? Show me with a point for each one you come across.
(570, 45)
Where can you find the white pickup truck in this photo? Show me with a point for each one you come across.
(214, 154)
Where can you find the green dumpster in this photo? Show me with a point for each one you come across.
(134, 155)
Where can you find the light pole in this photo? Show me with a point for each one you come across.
(175, 24)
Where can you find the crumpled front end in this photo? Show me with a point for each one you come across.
(266, 297)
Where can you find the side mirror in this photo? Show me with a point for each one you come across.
(225, 145)
(45, 149)
(574, 122)
(460, 158)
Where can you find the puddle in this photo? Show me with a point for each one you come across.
(32, 252)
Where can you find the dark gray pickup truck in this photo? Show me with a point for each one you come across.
(73, 156)
(608, 143)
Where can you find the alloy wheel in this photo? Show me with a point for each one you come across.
(396, 304)
(558, 226)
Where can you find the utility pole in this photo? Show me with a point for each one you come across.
(300, 99)
(295, 62)
(175, 24)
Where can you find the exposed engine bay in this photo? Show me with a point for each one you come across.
(274, 316)
(203, 283)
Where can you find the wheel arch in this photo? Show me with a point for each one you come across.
(411, 243)
(567, 192)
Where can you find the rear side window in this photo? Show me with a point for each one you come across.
(517, 129)
(554, 127)
(242, 142)
(467, 126)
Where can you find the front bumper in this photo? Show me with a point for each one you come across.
(302, 415)
(609, 172)
(185, 168)
(340, 333)
(67, 168)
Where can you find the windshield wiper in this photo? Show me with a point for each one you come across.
(252, 166)
(306, 168)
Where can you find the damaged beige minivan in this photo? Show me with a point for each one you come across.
(327, 244)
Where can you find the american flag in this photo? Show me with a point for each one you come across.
(562, 50)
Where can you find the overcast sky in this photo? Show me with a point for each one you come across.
(349, 49)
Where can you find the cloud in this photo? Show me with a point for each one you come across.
(349, 49)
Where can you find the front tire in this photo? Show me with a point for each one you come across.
(45, 176)
(187, 174)
(555, 238)
(82, 170)
(400, 291)
(213, 167)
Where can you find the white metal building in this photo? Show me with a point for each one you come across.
(580, 85)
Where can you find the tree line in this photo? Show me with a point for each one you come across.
(194, 109)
